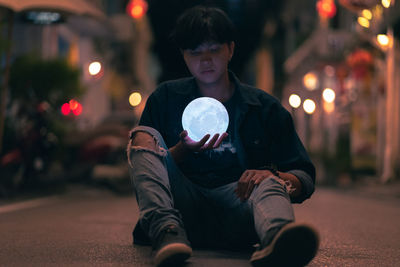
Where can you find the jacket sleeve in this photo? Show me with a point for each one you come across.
(152, 115)
(290, 154)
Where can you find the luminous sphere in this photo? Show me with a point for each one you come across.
(204, 115)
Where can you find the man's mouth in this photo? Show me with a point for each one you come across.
(207, 71)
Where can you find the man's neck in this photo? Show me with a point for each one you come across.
(221, 90)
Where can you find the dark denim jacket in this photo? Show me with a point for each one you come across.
(265, 127)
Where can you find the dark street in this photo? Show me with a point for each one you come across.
(92, 227)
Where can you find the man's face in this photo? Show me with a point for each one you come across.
(208, 63)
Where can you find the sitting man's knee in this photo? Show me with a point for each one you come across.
(144, 139)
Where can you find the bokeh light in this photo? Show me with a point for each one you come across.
(363, 22)
(310, 81)
(367, 14)
(386, 3)
(94, 68)
(71, 106)
(383, 39)
(329, 107)
(328, 95)
(309, 106)
(65, 109)
(294, 100)
(136, 8)
(135, 99)
(77, 110)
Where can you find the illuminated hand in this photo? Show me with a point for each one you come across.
(202, 145)
(248, 180)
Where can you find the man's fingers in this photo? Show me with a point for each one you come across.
(250, 187)
(211, 143)
(242, 184)
(183, 134)
(203, 140)
(220, 139)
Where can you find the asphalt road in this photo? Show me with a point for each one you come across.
(92, 227)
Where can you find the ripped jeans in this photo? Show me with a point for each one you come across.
(211, 217)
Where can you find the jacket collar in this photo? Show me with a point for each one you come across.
(245, 95)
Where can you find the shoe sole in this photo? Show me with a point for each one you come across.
(288, 247)
(173, 255)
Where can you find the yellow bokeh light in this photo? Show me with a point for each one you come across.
(294, 100)
(94, 68)
(329, 95)
(363, 22)
(310, 81)
(309, 106)
(383, 39)
(386, 3)
(135, 99)
(329, 107)
(367, 14)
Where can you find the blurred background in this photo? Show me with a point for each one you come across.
(75, 76)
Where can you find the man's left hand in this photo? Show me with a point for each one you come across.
(248, 180)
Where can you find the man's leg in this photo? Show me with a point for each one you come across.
(153, 171)
(282, 242)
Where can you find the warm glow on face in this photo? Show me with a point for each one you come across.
(310, 81)
(309, 106)
(328, 95)
(94, 68)
(294, 100)
(363, 22)
(367, 14)
(135, 99)
(386, 3)
(383, 39)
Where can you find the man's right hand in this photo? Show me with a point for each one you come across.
(201, 145)
(186, 144)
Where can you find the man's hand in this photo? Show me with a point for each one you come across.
(201, 145)
(248, 180)
(186, 144)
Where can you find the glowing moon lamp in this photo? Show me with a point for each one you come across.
(204, 115)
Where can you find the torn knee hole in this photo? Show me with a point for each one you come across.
(144, 140)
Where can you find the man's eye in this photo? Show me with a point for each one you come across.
(215, 49)
(194, 52)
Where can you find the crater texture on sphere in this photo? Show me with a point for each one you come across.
(204, 115)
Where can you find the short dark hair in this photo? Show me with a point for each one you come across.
(201, 24)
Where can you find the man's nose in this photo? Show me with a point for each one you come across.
(206, 57)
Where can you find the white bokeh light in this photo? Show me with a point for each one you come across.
(309, 106)
(205, 115)
(94, 68)
(329, 95)
(294, 100)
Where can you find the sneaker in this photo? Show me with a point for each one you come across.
(172, 247)
(294, 245)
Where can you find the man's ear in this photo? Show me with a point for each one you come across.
(231, 46)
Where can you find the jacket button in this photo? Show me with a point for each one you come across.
(257, 142)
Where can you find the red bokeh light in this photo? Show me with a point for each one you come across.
(65, 109)
(72, 106)
(78, 110)
(326, 8)
(136, 8)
